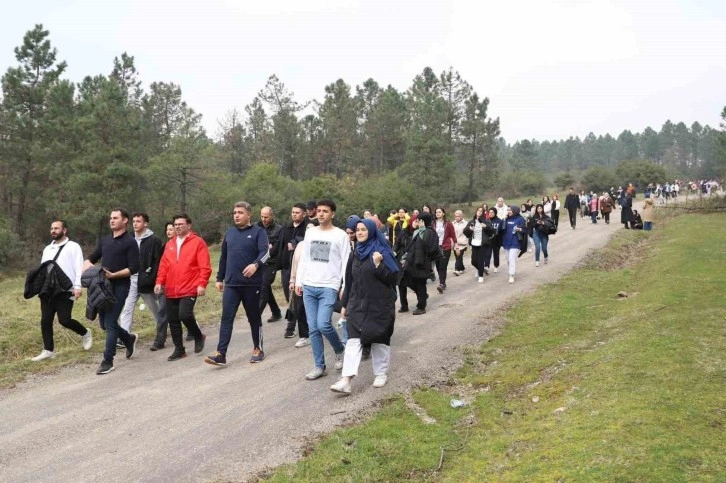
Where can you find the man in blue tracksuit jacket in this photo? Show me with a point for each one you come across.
(244, 253)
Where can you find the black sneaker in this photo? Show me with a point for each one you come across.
(289, 334)
(275, 318)
(418, 311)
(177, 354)
(366, 352)
(189, 337)
(131, 349)
(156, 347)
(199, 344)
(216, 359)
(105, 367)
(440, 288)
(402, 310)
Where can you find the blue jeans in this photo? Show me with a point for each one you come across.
(540, 243)
(319, 302)
(109, 322)
(593, 216)
(647, 226)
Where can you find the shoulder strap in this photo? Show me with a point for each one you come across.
(58, 252)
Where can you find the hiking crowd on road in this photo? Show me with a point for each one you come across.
(360, 271)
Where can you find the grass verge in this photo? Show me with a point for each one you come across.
(20, 337)
(580, 385)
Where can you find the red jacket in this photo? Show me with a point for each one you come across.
(449, 235)
(181, 278)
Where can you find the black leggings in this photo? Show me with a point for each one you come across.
(441, 265)
(62, 305)
(479, 258)
(493, 252)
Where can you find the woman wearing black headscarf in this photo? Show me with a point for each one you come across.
(369, 303)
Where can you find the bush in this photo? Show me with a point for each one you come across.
(11, 248)
(564, 180)
(519, 183)
(640, 173)
(599, 179)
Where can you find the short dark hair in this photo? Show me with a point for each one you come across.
(300, 205)
(62, 222)
(169, 223)
(184, 216)
(329, 203)
(124, 213)
(312, 204)
(141, 214)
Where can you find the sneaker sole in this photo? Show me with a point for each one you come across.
(289, 336)
(100, 373)
(255, 361)
(338, 390)
(213, 363)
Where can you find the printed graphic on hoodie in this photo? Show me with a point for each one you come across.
(320, 250)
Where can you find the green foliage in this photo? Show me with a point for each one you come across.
(640, 172)
(564, 180)
(520, 183)
(10, 245)
(599, 179)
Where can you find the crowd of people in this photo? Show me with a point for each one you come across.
(360, 271)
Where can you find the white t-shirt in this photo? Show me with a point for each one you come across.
(324, 259)
(70, 259)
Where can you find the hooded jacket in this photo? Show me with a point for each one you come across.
(513, 227)
(181, 276)
(150, 251)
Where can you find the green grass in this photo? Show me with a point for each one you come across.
(20, 337)
(579, 385)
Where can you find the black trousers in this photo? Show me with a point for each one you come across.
(459, 262)
(556, 217)
(480, 257)
(181, 311)
(266, 295)
(572, 212)
(441, 265)
(62, 305)
(418, 285)
(494, 252)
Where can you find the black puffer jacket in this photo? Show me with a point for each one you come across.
(420, 252)
(48, 280)
(99, 295)
(370, 300)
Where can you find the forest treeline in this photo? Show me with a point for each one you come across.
(78, 149)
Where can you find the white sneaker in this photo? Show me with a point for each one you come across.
(380, 381)
(496, 270)
(43, 356)
(316, 373)
(511, 279)
(339, 360)
(302, 342)
(529, 250)
(87, 340)
(536, 264)
(481, 279)
(341, 387)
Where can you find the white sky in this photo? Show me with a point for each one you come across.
(552, 69)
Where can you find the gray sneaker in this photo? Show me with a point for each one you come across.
(316, 373)
(339, 360)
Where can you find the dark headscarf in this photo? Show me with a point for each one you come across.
(352, 222)
(425, 218)
(375, 243)
(515, 210)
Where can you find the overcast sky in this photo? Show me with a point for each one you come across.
(551, 69)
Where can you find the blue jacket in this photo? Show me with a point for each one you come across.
(242, 247)
(509, 237)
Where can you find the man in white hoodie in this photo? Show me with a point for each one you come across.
(142, 283)
(320, 281)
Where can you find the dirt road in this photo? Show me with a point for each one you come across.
(153, 420)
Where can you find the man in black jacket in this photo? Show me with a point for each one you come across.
(282, 251)
(572, 203)
(267, 222)
(142, 283)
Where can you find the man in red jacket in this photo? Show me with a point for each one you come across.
(184, 272)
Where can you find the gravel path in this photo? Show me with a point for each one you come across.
(153, 420)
